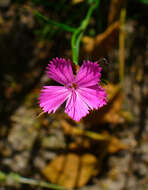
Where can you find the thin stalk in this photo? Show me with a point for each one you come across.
(78, 43)
(61, 25)
(74, 47)
(16, 178)
(122, 44)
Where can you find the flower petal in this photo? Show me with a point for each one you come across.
(89, 74)
(52, 97)
(60, 70)
(94, 97)
(75, 107)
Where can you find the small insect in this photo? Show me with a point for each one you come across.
(104, 63)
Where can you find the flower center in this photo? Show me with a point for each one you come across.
(74, 85)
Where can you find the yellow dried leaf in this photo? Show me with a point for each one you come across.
(102, 43)
(111, 90)
(114, 108)
(111, 112)
(71, 170)
(116, 145)
(80, 143)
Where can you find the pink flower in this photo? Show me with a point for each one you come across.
(82, 92)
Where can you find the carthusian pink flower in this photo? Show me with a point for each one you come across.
(82, 92)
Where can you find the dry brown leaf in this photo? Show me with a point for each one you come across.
(102, 43)
(80, 143)
(112, 90)
(71, 170)
(74, 130)
(111, 112)
(111, 145)
(116, 145)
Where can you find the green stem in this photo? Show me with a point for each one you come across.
(14, 177)
(77, 35)
(75, 47)
(78, 43)
(62, 26)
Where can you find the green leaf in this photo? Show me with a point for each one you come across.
(143, 1)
